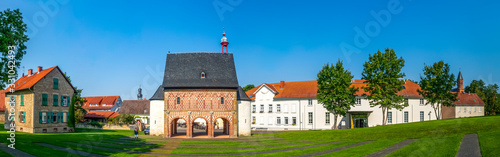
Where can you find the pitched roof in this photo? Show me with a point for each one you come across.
(159, 95)
(310, 88)
(109, 102)
(135, 107)
(470, 99)
(101, 114)
(241, 95)
(28, 81)
(183, 70)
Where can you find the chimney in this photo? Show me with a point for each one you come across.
(40, 68)
(282, 84)
(30, 72)
(23, 75)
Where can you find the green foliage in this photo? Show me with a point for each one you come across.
(122, 119)
(487, 93)
(382, 73)
(248, 87)
(12, 33)
(97, 124)
(76, 111)
(436, 86)
(335, 91)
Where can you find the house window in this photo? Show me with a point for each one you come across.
(64, 101)
(309, 102)
(278, 108)
(55, 102)
(421, 115)
(421, 101)
(22, 100)
(294, 120)
(480, 109)
(327, 117)
(261, 108)
(43, 117)
(54, 117)
(261, 120)
(202, 75)
(278, 120)
(221, 100)
(254, 108)
(389, 117)
(22, 116)
(178, 100)
(406, 117)
(65, 117)
(459, 108)
(406, 101)
(310, 115)
(358, 102)
(56, 83)
(475, 109)
(270, 107)
(286, 120)
(465, 109)
(44, 99)
(253, 120)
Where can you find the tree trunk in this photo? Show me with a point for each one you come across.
(335, 122)
(384, 116)
(436, 109)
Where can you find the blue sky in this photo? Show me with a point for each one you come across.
(113, 47)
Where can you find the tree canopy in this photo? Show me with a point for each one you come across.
(382, 73)
(248, 87)
(335, 91)
(487, 93)
(436, 86)
(12, 34)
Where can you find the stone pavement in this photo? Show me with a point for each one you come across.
(14, 152)
(469, 146)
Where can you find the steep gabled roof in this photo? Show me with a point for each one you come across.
(241, 95)
(28, 81)
(135, 107)
(110, 101)
(159, 95)
(183, 70)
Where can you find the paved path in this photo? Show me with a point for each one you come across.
(334, 150)
(390, 149)
(14, 152)
(261, 147)
(469, 146)
(69, 150)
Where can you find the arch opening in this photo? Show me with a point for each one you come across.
(199, 127)
(179, 128)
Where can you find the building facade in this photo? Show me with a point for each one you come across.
(42, 101)
(101, 108)
(138, 108)
(467, 104)
(293, 106)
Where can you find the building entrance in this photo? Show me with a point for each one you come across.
(360, 120)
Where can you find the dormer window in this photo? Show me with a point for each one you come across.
(202, 75)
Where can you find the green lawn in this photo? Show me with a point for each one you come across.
(435, 138)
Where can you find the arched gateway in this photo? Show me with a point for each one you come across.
(201, 86)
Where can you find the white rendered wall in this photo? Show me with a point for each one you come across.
(157, 117)
(244, 118)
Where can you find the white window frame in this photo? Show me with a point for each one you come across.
(422, 116)
(389, 117)
(270, 107)
(285, 108)
(327, 117)
(358, 101)
(286, 120)
(278, 108)
(270, 120)
(310, 117)
(44, 117)
(405, 117)
(422, 102)
(309, 102)
(278, 120)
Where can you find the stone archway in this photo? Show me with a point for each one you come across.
(200, 127)
(178, 127)
(221, 127)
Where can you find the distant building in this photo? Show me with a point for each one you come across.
(138, 108)
(42, 101)
(101, 108)
(293, 106)
(467, 104)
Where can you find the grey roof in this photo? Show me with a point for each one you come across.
(183, 70)
(460, 75)
(241, 95)
(158, 94)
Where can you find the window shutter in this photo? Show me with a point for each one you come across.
(56, 83)
(55, 102)
(24, 117)
(69, 100)
(19, 116)
(44, 99)
(50, 117)
(60, 117)
(22, 100)
(67, 116)
(40, 119)
(62, 100)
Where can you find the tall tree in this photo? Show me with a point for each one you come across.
(436, 86)
(248, 87)
(12, 35)
(382, 73)
(76, 112)
(335, 91)
(487, 93)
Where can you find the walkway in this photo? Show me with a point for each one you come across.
(469, 146)
(390, 149)
(14, 152)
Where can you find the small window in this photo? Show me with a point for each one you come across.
(270, 107)
(278, 120)
(421, 101)
(178, 100)
(261, 108)
(278, 108)
(406, 116)
(286, 120)
(406, 101)
(294, 120)
(310, 116)
(421, 115)
(56, 83)
(222, 100)
(327, 117)
(310, 102)
(203, 75)
(253, 120)
(44, 99)
(358, 102)
(389, 117)
(254, 108)
(55, 100)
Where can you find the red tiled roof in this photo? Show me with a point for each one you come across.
(110, 101)
(2, 101)
(310, 88)
(101, 114)
(29, 81)
(468, 99)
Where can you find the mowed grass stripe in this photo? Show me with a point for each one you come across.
(436, 146)
(489, 143)
(79, 147)
(262, 150)
(244, 146)
(72, 151)
(124, 147)
(113, 148)
(236, 143)
(306, 150)
(132, 143)
(138, 141)
(365, 149)
(240, 148)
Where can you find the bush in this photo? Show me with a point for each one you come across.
(97, 124)
(122, 119)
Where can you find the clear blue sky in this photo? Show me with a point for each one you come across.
(113, 47)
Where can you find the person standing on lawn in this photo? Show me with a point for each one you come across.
(136, 133)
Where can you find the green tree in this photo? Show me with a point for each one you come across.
(248, 87)
(487, 93)
(76, 111)
(335, 91)
(12, 33)
(382, 73)
(436, 86)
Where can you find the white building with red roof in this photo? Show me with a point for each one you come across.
(101, 108)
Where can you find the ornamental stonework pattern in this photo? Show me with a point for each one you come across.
(200, 99)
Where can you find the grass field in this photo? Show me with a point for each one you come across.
(435, 138)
